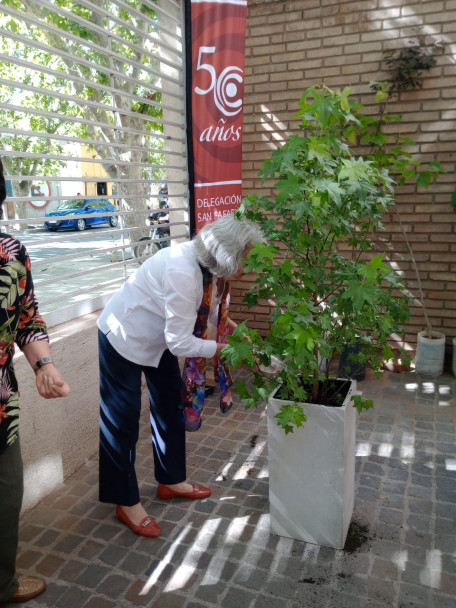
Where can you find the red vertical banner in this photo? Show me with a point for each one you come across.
(216, 68)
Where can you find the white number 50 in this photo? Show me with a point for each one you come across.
(227, 94)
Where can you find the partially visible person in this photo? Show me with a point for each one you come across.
(160, 314)
(20, 322)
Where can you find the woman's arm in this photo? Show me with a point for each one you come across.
(220, 345)
(32, 337)
(182, 293)
(49, 382)
(231, 325)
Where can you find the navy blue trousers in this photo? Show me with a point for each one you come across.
(120, 408)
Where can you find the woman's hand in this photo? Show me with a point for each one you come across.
(231, 325)
(50, 383)
(220, 347)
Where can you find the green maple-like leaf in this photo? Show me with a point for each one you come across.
(288, 187)
(333, 189)
(360, 294)
(423, 178)
(379, 139)
(318, 150)
(302, 336)
(323, 109)
(371, 269)
(237, 352)
(355, 169)
(290, 416)
(362, 404)
(258, 255)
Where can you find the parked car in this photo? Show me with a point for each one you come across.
(81, 206)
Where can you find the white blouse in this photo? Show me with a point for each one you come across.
(157, 308)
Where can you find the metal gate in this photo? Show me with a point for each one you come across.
(92, 131)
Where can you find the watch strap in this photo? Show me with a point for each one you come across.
(41, 362)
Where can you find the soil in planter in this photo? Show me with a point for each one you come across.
(336, 391)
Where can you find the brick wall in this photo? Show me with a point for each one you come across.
(294, 44)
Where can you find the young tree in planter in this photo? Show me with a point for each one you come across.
(318, 267)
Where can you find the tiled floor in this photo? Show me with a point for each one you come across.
(220, 552)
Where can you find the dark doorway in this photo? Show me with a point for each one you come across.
(102, 188)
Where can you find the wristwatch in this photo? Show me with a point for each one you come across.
(41, 362)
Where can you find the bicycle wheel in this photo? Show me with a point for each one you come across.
(144, 249)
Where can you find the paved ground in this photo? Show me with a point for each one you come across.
(219, 552)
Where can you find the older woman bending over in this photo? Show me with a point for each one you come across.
(160, 314)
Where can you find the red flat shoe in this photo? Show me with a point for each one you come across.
(29, 587)
(197, 492)
(146, 527)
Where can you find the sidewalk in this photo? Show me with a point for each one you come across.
(219, 552)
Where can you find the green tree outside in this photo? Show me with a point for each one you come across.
(111, 103)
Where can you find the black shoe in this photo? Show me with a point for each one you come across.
(208, 391)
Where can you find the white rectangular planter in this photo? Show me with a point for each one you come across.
(312, 473)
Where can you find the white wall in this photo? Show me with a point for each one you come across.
(58, 435)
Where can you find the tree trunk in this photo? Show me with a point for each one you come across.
(21, 189)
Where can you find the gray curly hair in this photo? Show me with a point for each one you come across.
(220, 246)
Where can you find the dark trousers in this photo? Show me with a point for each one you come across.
(120, 408)
(11, 490)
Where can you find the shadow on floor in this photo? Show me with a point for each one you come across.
(219, 552)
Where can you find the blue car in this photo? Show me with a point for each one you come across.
(81, 206)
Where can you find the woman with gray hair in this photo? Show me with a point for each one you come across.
(161, 313)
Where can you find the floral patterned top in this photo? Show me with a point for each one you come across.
(20, 322)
